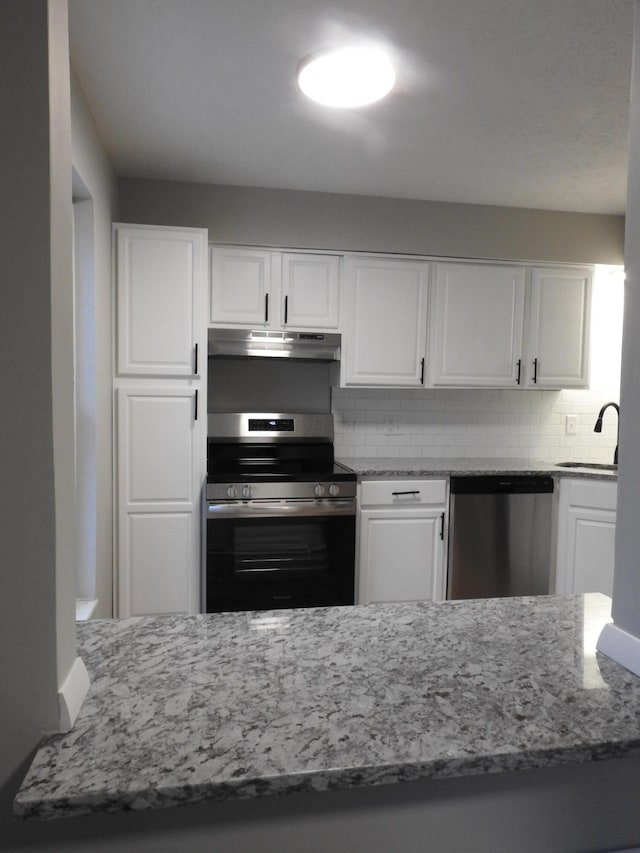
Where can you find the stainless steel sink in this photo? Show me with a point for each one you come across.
(595, 466)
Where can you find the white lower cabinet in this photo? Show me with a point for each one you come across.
(401, 540)
(586, 536)
(160, 472)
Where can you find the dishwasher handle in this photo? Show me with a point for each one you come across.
(493, 484)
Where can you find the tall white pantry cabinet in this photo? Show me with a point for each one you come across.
(160, 431)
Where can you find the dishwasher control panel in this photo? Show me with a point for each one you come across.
(521, 484)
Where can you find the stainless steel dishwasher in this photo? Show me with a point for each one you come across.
(499, 536)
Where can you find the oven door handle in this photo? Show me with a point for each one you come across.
(279, 509)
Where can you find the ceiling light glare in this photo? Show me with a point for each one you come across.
(349, 77)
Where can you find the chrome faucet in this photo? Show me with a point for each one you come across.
(598, 426)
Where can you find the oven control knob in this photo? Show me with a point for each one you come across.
(231, 491)
(334, 490)
(319, 490)
(246, 492)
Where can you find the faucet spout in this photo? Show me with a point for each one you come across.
(598, 426)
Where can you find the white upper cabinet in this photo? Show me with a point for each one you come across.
(476, 325)
(240, 284)
(385, 330)
(503, 326)
(259, 288)
(310, 291)
(161, 293)
(487, 325)
(559, 324)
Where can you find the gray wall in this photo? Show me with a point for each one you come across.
(30, 639)
(37, 604)
(92, 165)
(313, 220)
(626, 609)
(62, 335)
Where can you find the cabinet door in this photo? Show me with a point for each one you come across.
(401, 556)
(240, 285)
(590, 551)
(310, 290)
(476, 325)
(160, 470)
(586, 536)
(385, 327)
(559, 325)
(160, 284)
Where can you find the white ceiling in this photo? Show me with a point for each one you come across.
(513, 102)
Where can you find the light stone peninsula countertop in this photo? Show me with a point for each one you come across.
(370, 467)
(212, 707)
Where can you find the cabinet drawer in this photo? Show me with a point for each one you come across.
(403, 492)
(595, 494)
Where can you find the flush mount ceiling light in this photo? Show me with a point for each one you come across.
(348, 77)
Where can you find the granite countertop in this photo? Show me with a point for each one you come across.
(220, 706)
(394, 466)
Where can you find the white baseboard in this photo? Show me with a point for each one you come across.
(621, 647)
(72, 694)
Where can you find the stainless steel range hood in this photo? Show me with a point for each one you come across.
(261, 343)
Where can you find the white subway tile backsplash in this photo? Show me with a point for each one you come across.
(489, 423)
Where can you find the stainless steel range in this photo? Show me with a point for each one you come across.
(280, 513)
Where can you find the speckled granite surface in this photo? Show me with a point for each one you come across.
(394, 466)
(184, 709)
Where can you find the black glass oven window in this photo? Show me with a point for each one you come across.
(293, 549)
(255, 564)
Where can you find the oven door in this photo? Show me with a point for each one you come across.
(263, 554)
